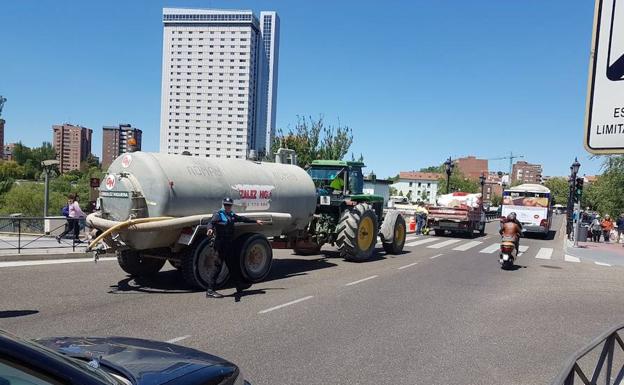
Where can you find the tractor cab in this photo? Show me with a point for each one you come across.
(337, 177)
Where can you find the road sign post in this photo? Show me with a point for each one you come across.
(604, 116)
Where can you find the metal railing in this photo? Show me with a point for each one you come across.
(19, 233)
(599, 358)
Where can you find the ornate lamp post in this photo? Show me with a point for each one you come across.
(448, 167)
(482, 182)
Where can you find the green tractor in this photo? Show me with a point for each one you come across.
(348, 218)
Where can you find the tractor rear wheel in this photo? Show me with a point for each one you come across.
(393, 232)
(133, 263)
(357, 233)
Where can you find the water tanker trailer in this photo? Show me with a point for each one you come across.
(154, 207)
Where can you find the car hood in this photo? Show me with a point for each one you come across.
(146, 362)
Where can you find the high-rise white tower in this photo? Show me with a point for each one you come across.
(215, 74)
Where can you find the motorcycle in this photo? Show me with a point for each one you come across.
(508, 253)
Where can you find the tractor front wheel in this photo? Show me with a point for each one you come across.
(357, 233)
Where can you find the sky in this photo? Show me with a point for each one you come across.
(417, 81)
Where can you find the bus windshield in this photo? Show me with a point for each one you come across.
(526, 198)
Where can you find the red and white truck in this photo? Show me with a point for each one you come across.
(457, 213)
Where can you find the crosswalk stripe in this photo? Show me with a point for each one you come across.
(522, 250)
(602, 264)
(443, 244)
(544, 253)
(422, 241)
(468, 245)
(569, 258)
(490, 249)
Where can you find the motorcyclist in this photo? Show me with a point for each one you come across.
(511, 228)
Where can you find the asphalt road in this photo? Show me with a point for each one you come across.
(441, 313)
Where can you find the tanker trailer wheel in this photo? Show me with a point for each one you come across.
(255, 257)
(357, 233)
(198, 261)
(133, 263)
(393, 232)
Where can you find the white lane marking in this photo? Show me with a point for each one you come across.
(436, 256)
(523, 250)
(569, 258)
(602, 264)
(412, 237)
(177, 339)
(285, 304)
(422, 241)
(445, 243)
(406, 266)
(361, 280)
(490, 249)
(52, 262)
(468, 245)
(544, 253)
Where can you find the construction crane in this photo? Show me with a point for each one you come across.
(511, 158)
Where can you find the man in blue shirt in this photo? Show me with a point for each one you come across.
(222, 226)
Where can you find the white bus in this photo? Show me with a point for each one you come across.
(532, 204)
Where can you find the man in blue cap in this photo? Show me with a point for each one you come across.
(222, 226)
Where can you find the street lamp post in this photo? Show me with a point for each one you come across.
(482, 182)
(47, 165)
(573, 208)
(448, 166)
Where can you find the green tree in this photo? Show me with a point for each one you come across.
(21, 153)
(559, 190)
(458, 183)
(10, 169)
(605, 194)
(496, 200)
(438, 169)
(312, 139)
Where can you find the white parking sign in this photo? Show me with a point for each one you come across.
(604, 120)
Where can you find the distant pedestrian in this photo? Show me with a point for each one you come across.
(74, 216)
(607, 226)
(620, 226)
(421, 217)
(596, 229)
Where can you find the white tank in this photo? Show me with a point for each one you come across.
(142, 184)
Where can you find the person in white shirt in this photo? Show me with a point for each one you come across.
(73, 220)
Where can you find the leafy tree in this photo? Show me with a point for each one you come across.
(496, 200)
(409, 195)
(10, 169)
(90, 162)
(21, 153)
(458, 183)
(605, 194)
(312, 139)
(559, 190)
(438, 169)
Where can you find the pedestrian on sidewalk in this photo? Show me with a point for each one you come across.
(620, 226)
(73, 219)
(596, 229)
(607, 226)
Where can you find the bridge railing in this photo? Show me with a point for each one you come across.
(602, 361)
(19, 234)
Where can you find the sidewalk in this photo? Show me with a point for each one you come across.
(37, 247)
(611, 253)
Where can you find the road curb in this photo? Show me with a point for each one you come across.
(39, 257)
